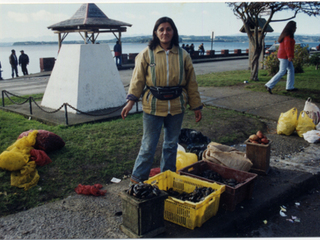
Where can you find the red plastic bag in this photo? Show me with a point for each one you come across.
(154, 171)
(46, 141)
(40, 157)
(90, 190)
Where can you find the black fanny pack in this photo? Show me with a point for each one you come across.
(166, 93)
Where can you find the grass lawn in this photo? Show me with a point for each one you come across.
(307, 82)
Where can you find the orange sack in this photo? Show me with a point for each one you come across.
(46, 141)
(154, 171)
(40, 157)
(90, 190)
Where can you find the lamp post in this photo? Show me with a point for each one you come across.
(212, 36)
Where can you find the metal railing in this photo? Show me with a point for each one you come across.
(64, 105)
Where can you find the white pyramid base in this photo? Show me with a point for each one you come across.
(86, 77)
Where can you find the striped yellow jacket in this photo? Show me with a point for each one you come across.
(160, 68)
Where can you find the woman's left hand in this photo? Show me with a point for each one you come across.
(198, 115)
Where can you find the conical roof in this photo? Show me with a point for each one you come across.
(88, 16)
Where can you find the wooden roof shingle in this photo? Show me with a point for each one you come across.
(88, 17)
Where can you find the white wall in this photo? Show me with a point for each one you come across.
(86, 77)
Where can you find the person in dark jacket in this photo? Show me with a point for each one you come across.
(14, 63)
(191, 50)
(23, 62)
(117, 53)
(201, 49)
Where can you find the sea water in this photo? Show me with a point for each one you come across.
(36, 52)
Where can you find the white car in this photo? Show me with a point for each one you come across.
(272, 49)
(275, 47)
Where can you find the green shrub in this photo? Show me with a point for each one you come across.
(315, 60)
(301, 57)
(272, 63)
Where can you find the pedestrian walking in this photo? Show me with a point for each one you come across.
(23, 62)
(14, 63)
(117, 53)
(285, 56)
(165, 79)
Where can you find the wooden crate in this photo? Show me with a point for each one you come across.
(142, 218)
(232, 195)
(259, 155)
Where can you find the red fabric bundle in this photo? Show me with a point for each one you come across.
(154, 171)
(40, 157)
(90, 190)
(46, 141)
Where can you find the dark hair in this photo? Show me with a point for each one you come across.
(154, 42)
(288, 30)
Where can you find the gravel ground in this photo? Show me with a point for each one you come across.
(78, 216)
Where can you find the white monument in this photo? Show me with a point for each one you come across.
(86, 77)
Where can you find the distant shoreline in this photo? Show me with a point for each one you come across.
(183, 39)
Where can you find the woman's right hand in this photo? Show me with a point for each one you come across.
(127, 109)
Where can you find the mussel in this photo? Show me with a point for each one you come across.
(198, 195)
(143, 190)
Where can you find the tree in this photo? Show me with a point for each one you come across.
(250, 14)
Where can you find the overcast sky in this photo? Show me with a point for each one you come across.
(26, 20)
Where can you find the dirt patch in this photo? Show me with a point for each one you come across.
(233, 128)
(283, 145)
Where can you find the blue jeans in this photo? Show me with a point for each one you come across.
(118, 60)
(283, 67)
(152, 126)
(14, 69)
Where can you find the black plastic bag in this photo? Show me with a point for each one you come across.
(196, 142)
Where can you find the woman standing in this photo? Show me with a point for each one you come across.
(165, 79)
(285, 56)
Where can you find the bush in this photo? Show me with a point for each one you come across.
(301, 57)
(315, 60)
(272, 63)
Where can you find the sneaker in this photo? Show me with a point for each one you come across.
(292, 90)
(268, 89)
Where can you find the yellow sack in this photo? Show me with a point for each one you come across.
(287, 122)
(18, 154)
(27, 177)
(305, 124)
(25, 144)
(185, 159)
(13, 160)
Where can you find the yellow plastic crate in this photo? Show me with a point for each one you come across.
(186, 213)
